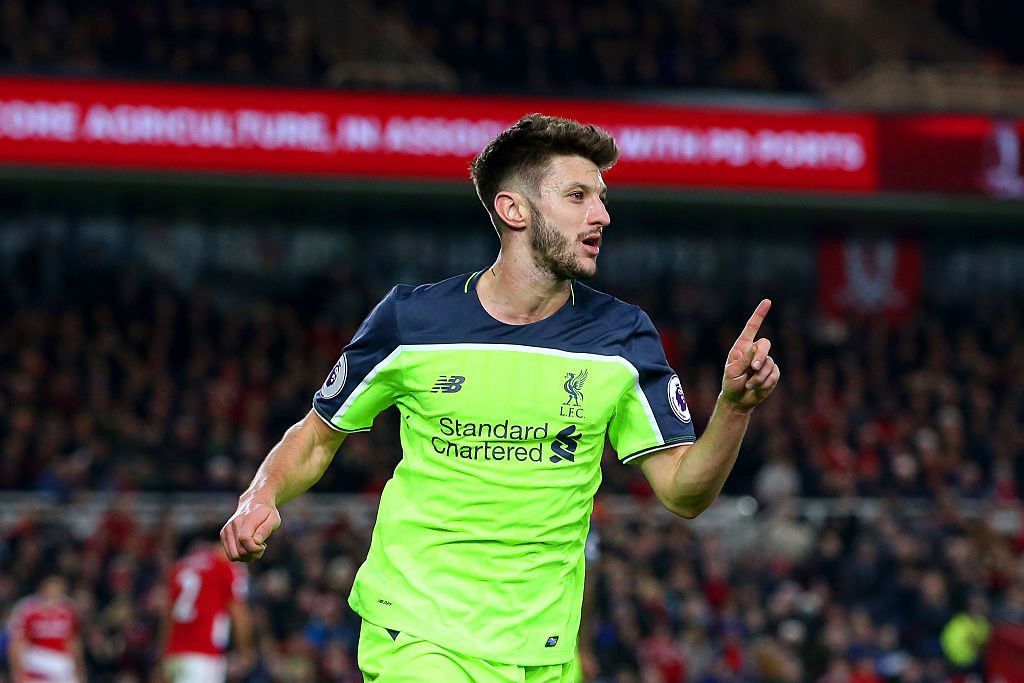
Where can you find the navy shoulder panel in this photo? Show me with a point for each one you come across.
(449, 312)
(434, 313)
(614, 312)
(435, 291)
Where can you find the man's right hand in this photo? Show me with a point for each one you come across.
(244, 537)
(292, 466)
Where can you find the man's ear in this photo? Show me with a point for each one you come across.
(512, 209)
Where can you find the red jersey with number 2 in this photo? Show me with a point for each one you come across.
(202, 585)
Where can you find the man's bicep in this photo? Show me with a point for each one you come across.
(323, 432)
(660, 468)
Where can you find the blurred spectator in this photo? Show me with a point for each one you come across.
(778, 479)
(965, 636)
(1011, 608)
(44, 641)
(783, 536)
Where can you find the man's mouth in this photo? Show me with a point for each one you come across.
(592, 243)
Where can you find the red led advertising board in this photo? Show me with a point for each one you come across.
(94, 124)
(952, 154)
(127, 126)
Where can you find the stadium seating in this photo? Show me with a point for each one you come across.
(557, 47)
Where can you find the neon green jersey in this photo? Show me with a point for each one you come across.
(480, 534)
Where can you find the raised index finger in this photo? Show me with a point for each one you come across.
(754, 324)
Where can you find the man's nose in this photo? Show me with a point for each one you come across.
(598, 214)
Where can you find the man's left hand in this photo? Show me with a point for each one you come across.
(750, 373)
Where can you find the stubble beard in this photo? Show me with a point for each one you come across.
(555, 253)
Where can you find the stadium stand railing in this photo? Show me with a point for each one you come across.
(730, 515)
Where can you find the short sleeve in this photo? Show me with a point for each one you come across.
(366, 378)
(652, 414)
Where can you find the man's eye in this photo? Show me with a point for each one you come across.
(576, 195)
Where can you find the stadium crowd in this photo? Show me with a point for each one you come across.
(119, 380)
(488, 44)
(989, 25)
(266, 40)
(551, 46)
(852, 599)
(116, 378)
(558, 47)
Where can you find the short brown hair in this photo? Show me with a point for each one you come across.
(525, 151)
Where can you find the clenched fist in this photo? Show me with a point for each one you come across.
(245, 535)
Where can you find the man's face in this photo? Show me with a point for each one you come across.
(54, 588)
(569, 219)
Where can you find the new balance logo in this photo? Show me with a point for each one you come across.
(565, 444)
(448, 384)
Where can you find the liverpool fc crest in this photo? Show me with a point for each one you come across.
(573, 406)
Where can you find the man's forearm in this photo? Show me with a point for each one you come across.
(293, 465)
(14, 654)
(79, 651)
(165, 630)
(242, 627)
(701, 469)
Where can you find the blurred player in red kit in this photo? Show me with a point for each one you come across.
(44, 636)
(206, 599)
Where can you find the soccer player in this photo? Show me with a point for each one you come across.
(45, 642)
(507, 381)
(206, 598)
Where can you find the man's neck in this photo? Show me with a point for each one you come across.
(516, 292)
